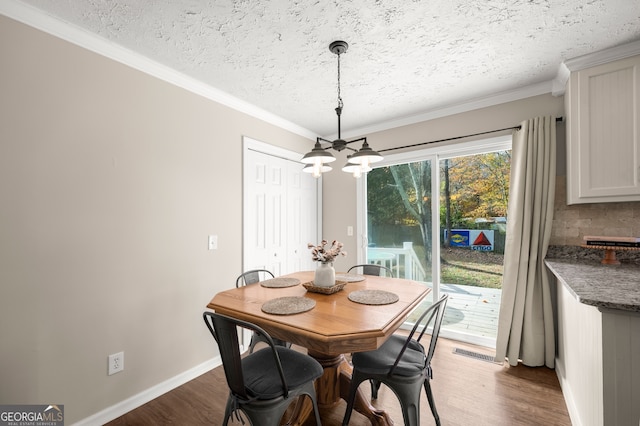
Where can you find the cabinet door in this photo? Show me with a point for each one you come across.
(603, 142)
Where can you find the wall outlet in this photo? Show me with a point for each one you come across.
(116, 363)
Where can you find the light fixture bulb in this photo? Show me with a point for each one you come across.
(316, 169)
(355, 169)
(365, 164)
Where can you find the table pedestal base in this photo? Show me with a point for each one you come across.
(334, 384)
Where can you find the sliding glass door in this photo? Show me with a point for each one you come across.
(438, 216)
(400, 219)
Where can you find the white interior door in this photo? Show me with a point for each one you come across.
(281, 210)
(265, 208)
(303, 218)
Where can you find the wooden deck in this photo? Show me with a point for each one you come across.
(470, 311)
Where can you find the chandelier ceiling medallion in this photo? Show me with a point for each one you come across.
(317, 160)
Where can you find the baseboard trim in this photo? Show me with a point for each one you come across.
(472, 339)
(147, 395)
(568, 395)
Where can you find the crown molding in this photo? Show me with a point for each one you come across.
(591, 60)
(38, 19)
(542, 88)
(603, 56)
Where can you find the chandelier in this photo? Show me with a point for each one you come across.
(317, 160)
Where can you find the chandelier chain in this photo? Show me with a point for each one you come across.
(340, 104)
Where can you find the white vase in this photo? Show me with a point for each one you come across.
(325, 275)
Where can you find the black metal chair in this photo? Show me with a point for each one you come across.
(264, 383)
(252, 277)
(402, 364)
(372, 269)
(377, 270)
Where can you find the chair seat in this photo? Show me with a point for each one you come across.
(377, 362)
(261, 374)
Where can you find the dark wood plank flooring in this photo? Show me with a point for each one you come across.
(468, 391)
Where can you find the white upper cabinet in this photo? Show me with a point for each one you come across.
(603, 133)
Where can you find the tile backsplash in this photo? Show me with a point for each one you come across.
(571, 223)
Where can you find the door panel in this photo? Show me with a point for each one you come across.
(266, 221)
(302, 223)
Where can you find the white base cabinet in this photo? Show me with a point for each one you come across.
(598, 362)
(579, 359)
(602, 105)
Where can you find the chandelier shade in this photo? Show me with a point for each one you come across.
(365, 155)
(318, 155)
(360, 161)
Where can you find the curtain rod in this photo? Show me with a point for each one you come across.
(518, 127)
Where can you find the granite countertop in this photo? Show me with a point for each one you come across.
(602, 286)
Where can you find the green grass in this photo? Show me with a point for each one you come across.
(468, 267)
(470, 274)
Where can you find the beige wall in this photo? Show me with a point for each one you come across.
(110, 182)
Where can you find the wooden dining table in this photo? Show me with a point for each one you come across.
(333, 327)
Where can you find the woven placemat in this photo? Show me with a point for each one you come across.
(280, 282)
(373, 297)
(288, 305)
(350, 278)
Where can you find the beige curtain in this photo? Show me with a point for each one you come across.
(525, 325)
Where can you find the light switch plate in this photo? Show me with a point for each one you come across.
(213, 242)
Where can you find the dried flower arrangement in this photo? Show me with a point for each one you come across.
(320, 254)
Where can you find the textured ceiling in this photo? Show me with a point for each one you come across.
(405, 57)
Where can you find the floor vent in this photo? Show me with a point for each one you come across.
(476, 355)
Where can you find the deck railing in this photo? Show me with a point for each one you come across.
(403, 261)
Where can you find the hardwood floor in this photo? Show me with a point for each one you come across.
(468, 391)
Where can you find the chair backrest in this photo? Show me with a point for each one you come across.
(373, 269)
(433, 315)
(252, 277)
(224, 330)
